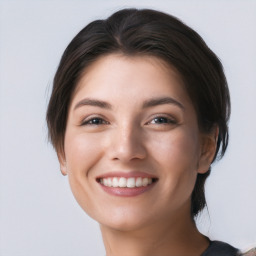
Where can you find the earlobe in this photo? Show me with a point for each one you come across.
(63, 170)
(63, 164)
(208, 150)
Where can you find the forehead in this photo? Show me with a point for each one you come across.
(130, 76)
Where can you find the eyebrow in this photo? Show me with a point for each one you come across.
(93, 102)
(161, 101)
(147, 104)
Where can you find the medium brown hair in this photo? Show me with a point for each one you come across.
(148, 32)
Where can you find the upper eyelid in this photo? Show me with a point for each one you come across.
(167, 116)
(150, 119)
(89, 118)
(169, 121)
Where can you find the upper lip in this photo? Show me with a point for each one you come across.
(126, 175)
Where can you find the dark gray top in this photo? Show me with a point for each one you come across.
(217, 248)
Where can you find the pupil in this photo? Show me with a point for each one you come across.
(96, 121)
(160, 120)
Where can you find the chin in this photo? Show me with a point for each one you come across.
(124, 220)
(123, 225)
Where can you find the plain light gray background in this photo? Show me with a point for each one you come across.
(38, 214)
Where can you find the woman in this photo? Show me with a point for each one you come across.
(138, 113)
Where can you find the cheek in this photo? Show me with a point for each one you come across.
(81, 151)
(177, 155)
(177, 148)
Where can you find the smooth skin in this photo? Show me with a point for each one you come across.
(133, 114)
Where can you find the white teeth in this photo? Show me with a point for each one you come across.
(144, 182)
(131, 182)
(105, 182)
(109, 183)
(122, 182)
(115, 182)
(126, 182)
(139, 182)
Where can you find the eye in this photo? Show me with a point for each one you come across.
(162, 120)
(94, 121)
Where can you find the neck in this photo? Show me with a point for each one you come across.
(178, 237)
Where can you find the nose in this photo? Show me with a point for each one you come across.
(127, 144)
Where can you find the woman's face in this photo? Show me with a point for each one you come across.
(132, 144)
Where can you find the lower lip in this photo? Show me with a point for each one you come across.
(127, 192)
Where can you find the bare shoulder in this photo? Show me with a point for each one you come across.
(251, 252)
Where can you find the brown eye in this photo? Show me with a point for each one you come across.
(94, 121)
(163, 120)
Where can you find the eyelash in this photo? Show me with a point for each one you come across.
(92, 119)
(162, 120)
(167, 120)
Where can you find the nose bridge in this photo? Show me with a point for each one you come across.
(128, 143)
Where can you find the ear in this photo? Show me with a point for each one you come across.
(62, 161)
(208, 149)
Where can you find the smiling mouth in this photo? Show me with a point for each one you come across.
(122, 182)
